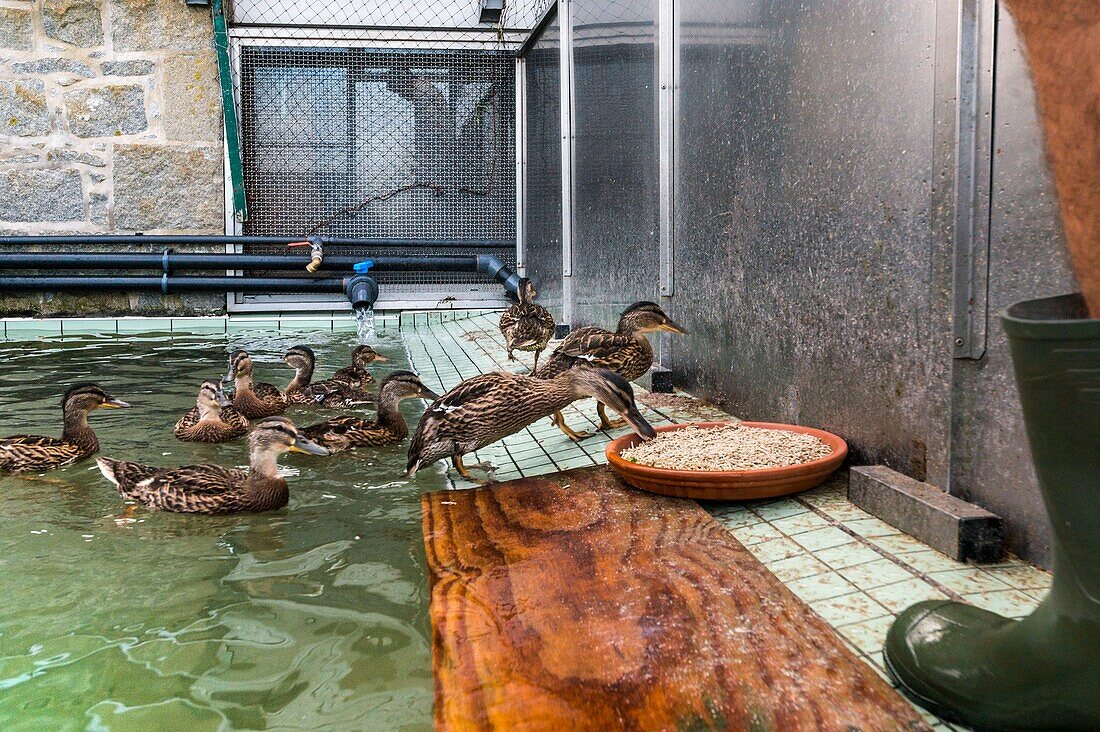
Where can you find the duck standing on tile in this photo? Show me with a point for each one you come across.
(329, 393)
(341, 433)
(212, 489)
(255, 400)
(489, 407)
(627, 352)
(212, 419)
(526, 326)
(356, 375)
(20, 453)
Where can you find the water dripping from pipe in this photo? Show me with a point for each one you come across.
(364, 325)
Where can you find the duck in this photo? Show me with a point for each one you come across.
(328, 393)
(341, 433)
(21, 453)
(254, 400)
(489, 407)
(526, 326)
(356, 375)
(212, 419)
(213, 489)
(627, 352)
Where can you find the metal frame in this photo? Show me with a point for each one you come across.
(973, 175)
(668, 86)
(521, 165)
(568, 137)
(392, 297)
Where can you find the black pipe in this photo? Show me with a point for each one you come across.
(169, 261)
(172, 284)
(171, 240)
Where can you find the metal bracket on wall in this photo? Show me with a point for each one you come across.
(973, 175)
(229, 112)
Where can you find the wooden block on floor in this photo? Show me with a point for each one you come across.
(573, 602)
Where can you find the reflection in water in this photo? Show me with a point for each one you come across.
(313, 616)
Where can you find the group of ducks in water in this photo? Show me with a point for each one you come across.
(590, 362)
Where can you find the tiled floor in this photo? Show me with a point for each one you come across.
(855, 571)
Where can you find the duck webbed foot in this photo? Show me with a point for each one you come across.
(605, 423)
(464, 470)
(559, 420)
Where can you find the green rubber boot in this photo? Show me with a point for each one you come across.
(1043, 672)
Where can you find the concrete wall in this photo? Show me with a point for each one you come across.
(110, 121)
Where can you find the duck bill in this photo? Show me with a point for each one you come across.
(230, 377)
(638, 423)
(380, 358)
(672, 327)
(222, 400)
(301, 444)
(428, 394)
(114, 404)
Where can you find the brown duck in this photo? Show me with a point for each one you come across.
(627, 352)
(356, 375)
(489, 407)
(341, 433)
(526, 326)
(21, 453)
(329, 393)
(212, 419)
(212, 488)
(255, 400)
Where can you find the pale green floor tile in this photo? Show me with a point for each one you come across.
(968, 580)
(821, 587)
(799, 523)
(875, 574)
(848, 555)
(930, 561)
(871, 527)
(898, 544)
(851, 608)
(828, 537)
(900, 595)
(797, 567)
(1021, 576)
(779, 510)
(774, 550)
(32, 328)
(88, 326)
(1010, 603)
(755, 533)
(868, 635)
(735, 516)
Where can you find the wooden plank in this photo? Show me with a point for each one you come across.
(573, 602)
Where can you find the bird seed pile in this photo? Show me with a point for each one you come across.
(732, 447)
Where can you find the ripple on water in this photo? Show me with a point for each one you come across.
(315, 616)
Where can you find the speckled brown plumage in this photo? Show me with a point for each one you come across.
(213, 489)
(489, 407)
(356, 375)
(212, 419)
(255, 400)
(330, 393)
(526, 326)
(22, 453)
(341, 433)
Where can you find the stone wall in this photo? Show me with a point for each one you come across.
(110, 122)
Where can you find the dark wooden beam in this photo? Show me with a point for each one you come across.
(574, 602)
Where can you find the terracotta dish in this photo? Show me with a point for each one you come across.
(729, 485)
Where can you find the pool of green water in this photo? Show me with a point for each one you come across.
(311, 617)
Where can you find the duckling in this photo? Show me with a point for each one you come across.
(328, 393)
(255, 400)
(211, 488)
(212, 419)
(20, 453)
(627, 352)
(489, 407)
(526, 326)
(356, 375)
(340, 433)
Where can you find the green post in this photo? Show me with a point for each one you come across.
(229, 111)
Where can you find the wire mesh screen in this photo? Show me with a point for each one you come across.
(394, 14)
(388, 143)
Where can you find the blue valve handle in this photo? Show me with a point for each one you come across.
(364, 266)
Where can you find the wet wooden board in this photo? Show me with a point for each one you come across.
(572, 602)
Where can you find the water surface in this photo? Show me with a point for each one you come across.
(311, 617)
